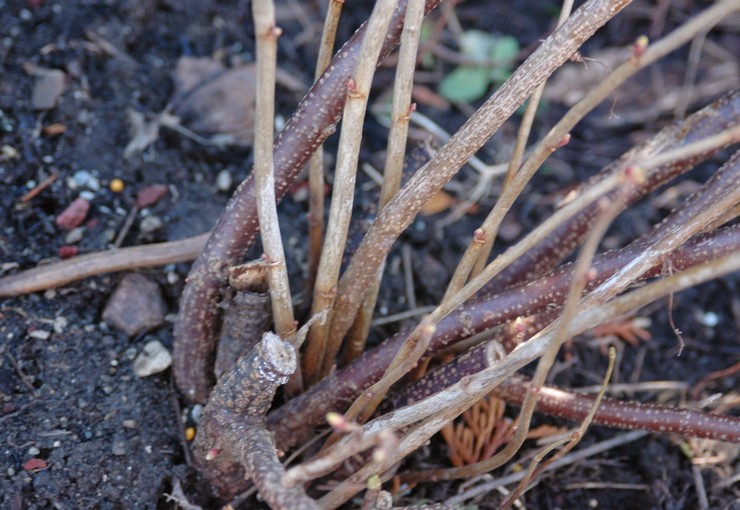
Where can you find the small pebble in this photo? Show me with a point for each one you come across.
(40, 334)
(67, 252)
(173, 278)
(130, 353)
(87, 195)
(150, 224)
(190, 433)
(117, 185)
(59, 324)
(33, 451)
(108, 235)
(75, 235)
(9, 152)
(73, 215)
(709, 319)
(130, 424)
(35, 464)
(154, 358)
(84, 179)
(196, 412)
(150, 195)
(119, 447)
(223, 180)
(49, 86)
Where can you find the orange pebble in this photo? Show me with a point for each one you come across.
(190, 433)
(116, 185)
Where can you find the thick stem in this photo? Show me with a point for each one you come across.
(401, 211)
(293, 421)
(232, 442)
(313, 121)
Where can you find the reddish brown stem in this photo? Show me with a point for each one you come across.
(626, 415)
(711, 120)
(611, 413)
(292, 422)
(313, 121)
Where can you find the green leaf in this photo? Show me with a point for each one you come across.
(465, 84)
(498, 75)
(427, 30)
(477, 44)
(504, 51)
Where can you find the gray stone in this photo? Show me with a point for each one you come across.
(136, 305)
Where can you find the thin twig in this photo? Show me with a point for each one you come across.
(266, 34)
(317, 363)
(396, 152)
(572, 458)
(316, 163)
(560, 132)
(331, 458)
(429, 180)
(110, 261)
(537, 466)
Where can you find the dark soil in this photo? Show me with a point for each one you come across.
(109, 439)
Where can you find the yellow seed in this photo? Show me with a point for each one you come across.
(190, 433)
(116, 185)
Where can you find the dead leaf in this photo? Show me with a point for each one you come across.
(211, 100)
(190, 72)
(212, 104)
(438, 203)
(144, 134)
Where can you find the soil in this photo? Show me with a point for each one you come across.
(104, 438)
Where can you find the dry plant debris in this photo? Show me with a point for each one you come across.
(481, 432)
(215, 102)
(519, 308)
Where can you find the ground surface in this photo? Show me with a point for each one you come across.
(109, 439)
